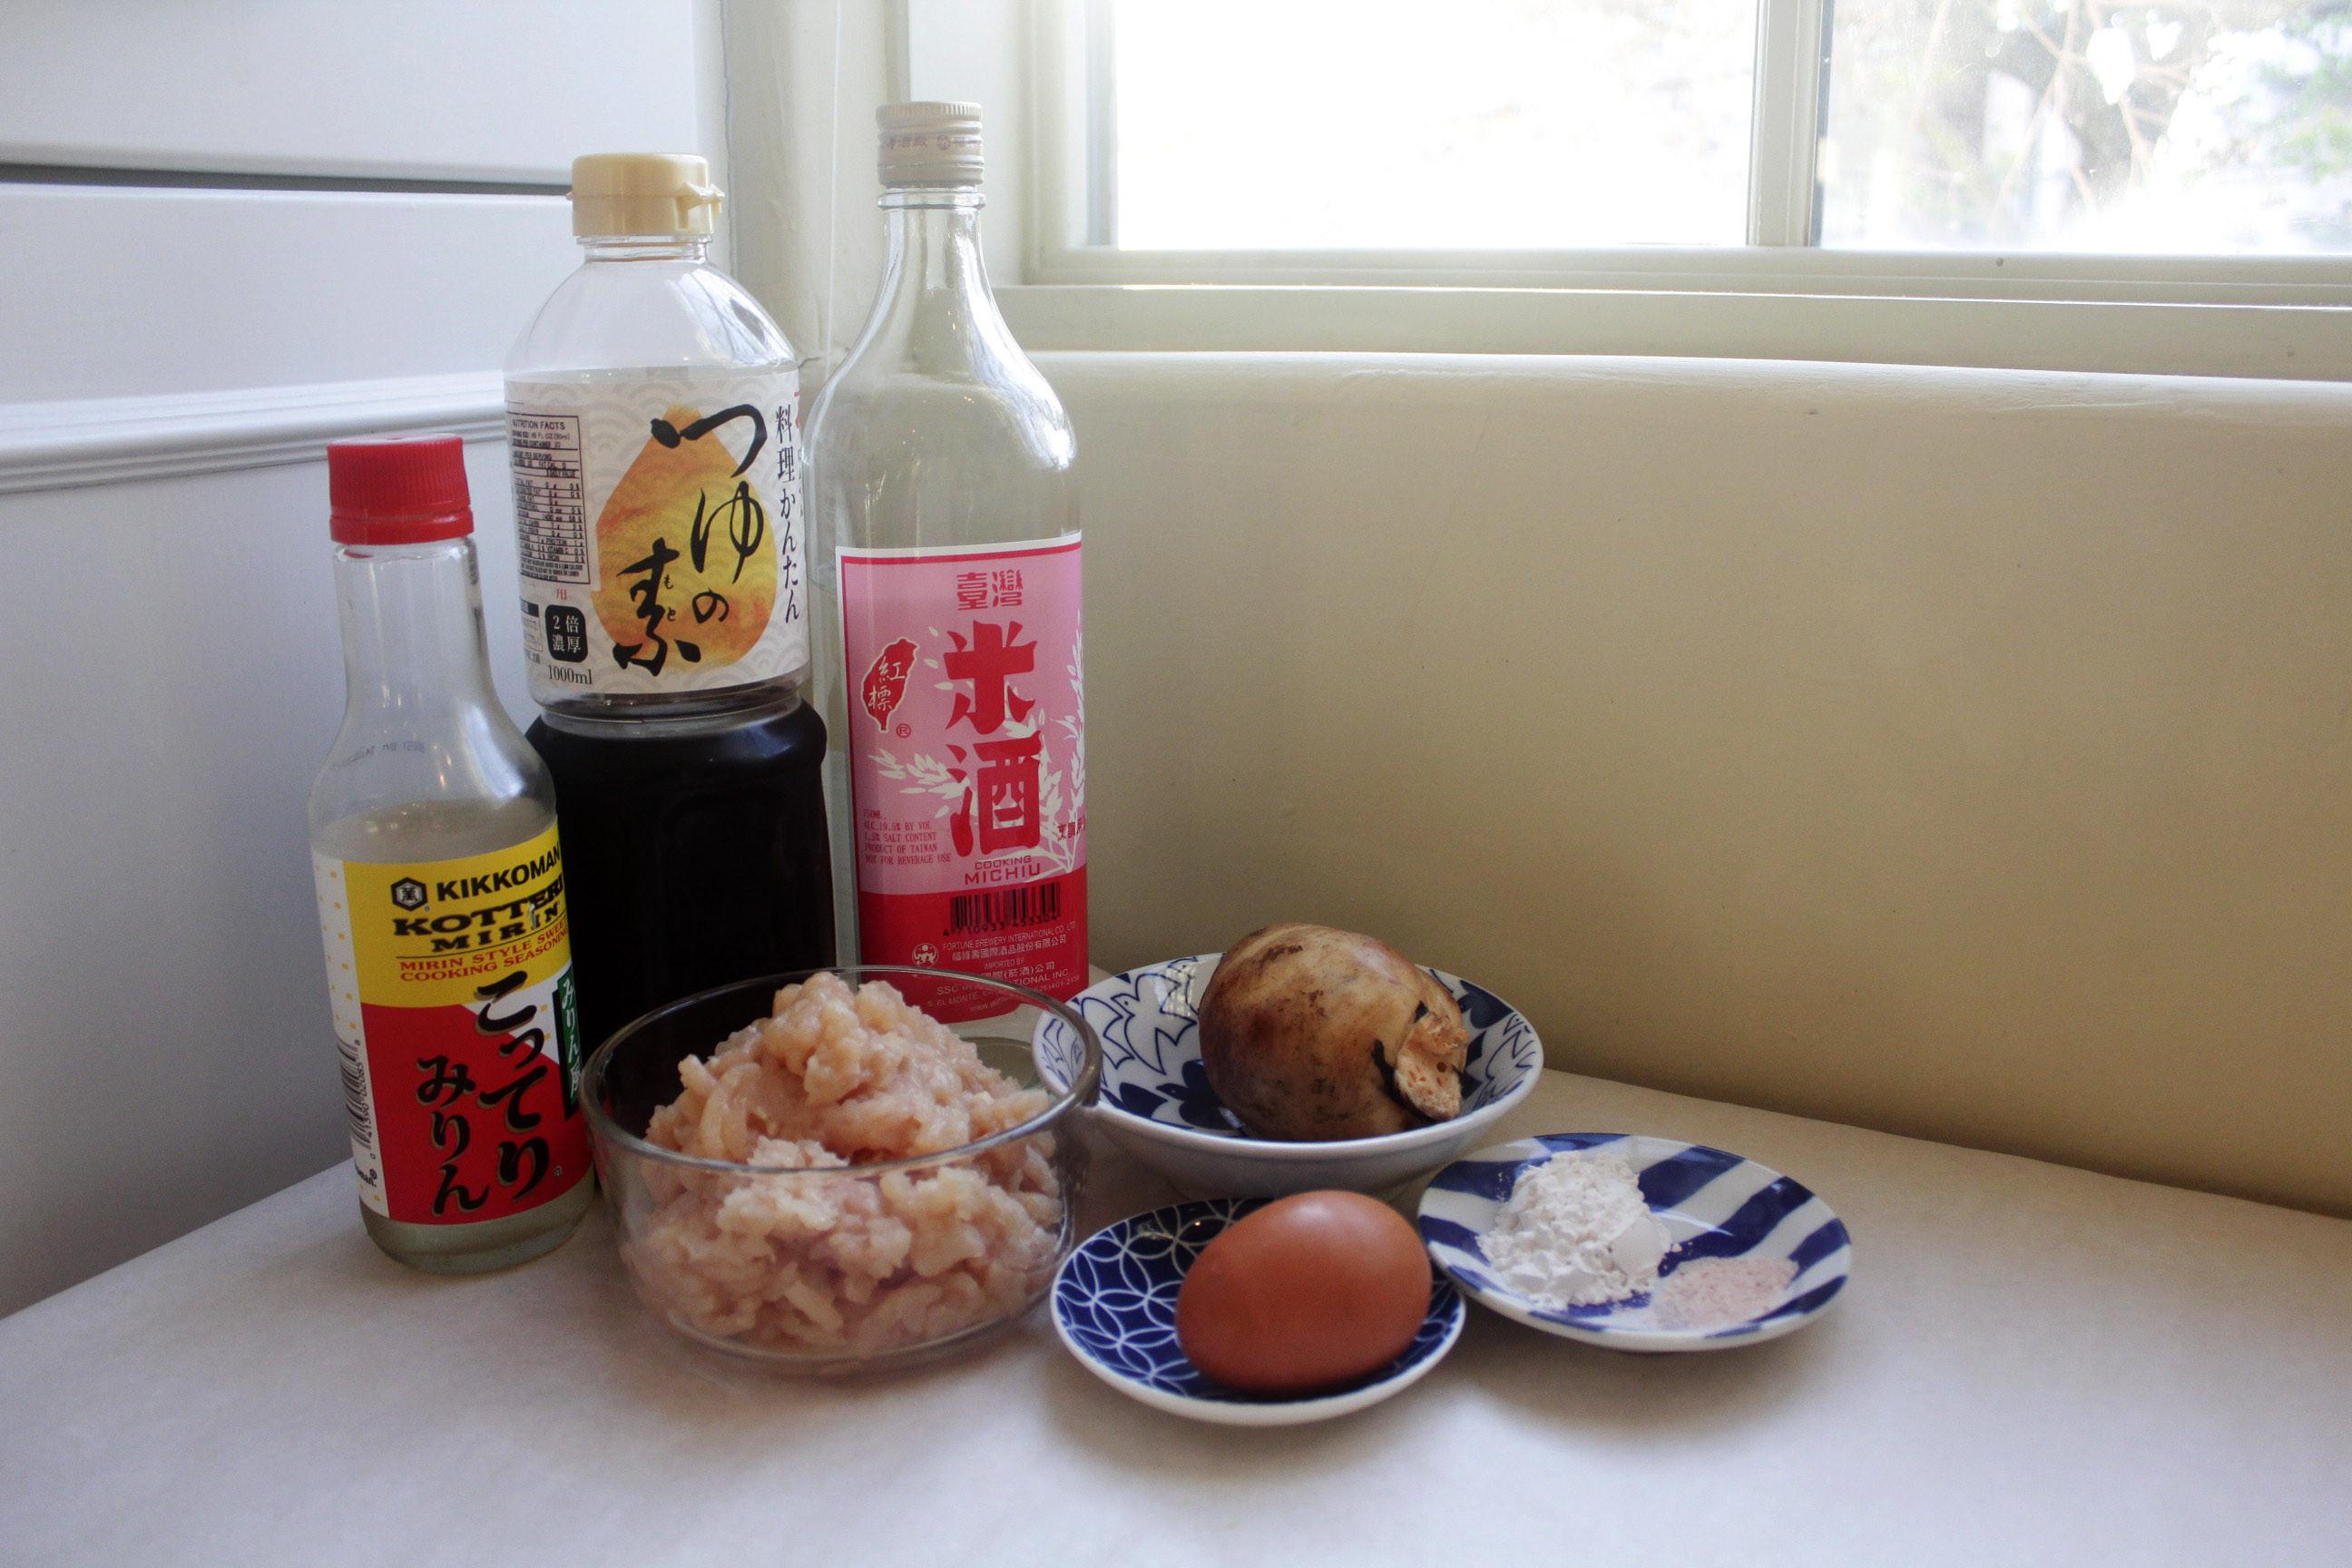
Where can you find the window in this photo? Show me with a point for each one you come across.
(2181, 127)
(1523, 125)
(1527, 136)
(2157, 187)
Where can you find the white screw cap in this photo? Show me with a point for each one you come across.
(929, 143)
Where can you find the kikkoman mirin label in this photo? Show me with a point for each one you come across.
(968, 765)
(451, 983)
(659, 524)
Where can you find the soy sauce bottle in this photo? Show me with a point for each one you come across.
(652, 414)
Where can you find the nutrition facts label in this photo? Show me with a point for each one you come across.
(550, 495)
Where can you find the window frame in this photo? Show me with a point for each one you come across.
(1939, 304)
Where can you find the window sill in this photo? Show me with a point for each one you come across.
(2286, 342)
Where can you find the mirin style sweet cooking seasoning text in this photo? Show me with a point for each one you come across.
(460, 1045)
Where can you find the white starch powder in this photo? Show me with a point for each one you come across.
(1577, 1233)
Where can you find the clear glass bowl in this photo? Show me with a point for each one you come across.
(832, 1269)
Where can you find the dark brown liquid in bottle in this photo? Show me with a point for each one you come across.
(694, 853)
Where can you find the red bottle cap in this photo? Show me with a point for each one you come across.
(398, 489)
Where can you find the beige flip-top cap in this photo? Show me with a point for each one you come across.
(929, 143)
(643, 193)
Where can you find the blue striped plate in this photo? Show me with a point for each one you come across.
(1714, 1205)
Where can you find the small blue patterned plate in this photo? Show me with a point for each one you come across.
(1157, 1106)
(1757, 1254)
(1114, 1308)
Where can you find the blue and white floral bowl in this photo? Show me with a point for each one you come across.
(1157, 1106)
(1714, 1205)
(1114, 1308)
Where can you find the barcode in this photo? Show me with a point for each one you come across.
(1006, 908)
(355, 1096)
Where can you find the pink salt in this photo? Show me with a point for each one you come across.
(1717, 1292)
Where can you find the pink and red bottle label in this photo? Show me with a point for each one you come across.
(968, 765)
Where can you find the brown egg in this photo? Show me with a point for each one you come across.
(1306, 1294)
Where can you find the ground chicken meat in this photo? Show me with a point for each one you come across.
(818, 1263)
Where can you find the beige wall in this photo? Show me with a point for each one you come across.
(1964, 753)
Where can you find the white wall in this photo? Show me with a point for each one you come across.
(185, 317)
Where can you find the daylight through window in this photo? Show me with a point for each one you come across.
(2218, 127)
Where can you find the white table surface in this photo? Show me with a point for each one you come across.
(2031, 1364)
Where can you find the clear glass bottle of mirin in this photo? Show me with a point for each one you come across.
(441, 892)
(948, 597)
(652, 410)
